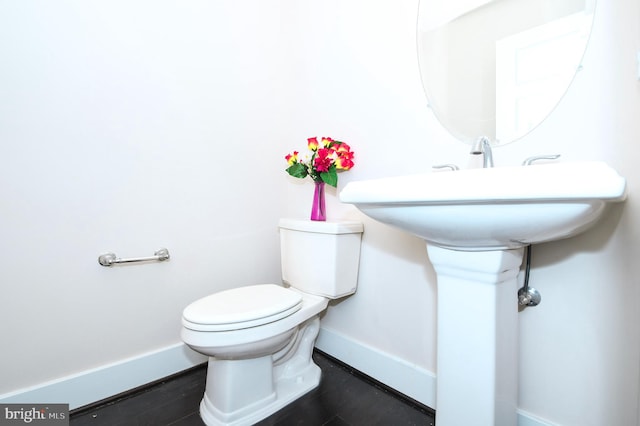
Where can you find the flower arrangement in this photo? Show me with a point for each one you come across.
(323, 162)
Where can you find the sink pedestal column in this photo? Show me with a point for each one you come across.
(477, 354)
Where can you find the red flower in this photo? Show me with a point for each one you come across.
(323, 160)
(326, 157)
(292, 158)
(312, 143)
(345, 162)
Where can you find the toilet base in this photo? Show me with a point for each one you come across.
(243, 392)
(287, 391)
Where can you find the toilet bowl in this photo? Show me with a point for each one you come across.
(260, 338)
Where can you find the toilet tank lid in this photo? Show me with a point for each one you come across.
(341, 227)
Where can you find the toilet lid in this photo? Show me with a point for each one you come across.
(242, 307)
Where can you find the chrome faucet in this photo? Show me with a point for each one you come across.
(483, 146)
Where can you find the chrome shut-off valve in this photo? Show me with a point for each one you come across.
(529, 296)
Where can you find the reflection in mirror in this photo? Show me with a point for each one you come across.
(497, 68)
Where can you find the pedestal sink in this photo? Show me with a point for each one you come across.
(476, 223)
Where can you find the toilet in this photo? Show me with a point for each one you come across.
(260, 338)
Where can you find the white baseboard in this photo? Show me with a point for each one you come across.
(408, 379)
(96, 384)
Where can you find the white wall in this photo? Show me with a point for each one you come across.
(580, 351)
(126, 127)
(101, 101)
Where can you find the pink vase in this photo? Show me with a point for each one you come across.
(318, 211)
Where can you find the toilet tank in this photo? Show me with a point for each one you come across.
(320, 258)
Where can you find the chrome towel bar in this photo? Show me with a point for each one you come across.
(110, 259)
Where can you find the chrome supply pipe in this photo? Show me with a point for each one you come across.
(528, 296)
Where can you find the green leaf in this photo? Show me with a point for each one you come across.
(330, 177)
(297, 170)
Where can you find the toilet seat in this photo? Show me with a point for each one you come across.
(241, 308)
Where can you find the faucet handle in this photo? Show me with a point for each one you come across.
(529, 161)
(451, 167)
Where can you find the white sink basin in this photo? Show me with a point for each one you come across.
(475, 223)
(493, 208)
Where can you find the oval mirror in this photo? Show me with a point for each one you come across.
(497, 68)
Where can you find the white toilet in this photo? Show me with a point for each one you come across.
(260, 338)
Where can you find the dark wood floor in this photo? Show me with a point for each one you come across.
(344, 398)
